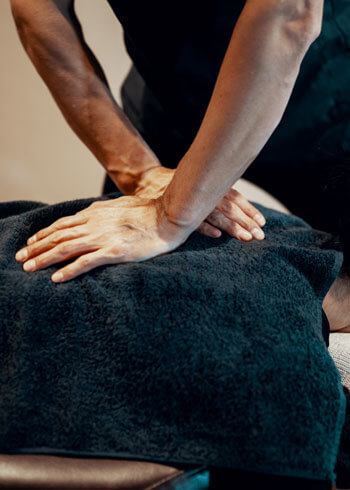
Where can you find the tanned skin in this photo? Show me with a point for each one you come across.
(252, 90)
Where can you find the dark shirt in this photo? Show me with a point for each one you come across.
(178, 49)
(325, 328)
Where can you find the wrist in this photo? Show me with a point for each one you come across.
(154, 181)
(145, 178)
(130, 179)
(170, 227)
(186, 201)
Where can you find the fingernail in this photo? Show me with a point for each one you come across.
(259, 234)
(29, 266)
(260, 219)
(21, 254)
(57, 276)
(245, 235)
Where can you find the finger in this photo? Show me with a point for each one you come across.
(246, 206)
(232, 228)
(65, 222)
(234, 213)
(83, 264)
(49, 242)
(209, 230)
(63, 251)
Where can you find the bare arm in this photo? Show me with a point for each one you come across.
(252, 90)
(53, 39)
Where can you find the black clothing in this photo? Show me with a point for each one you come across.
(227, 479)
(177, 54)
(325, 328)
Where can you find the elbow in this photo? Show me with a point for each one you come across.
(302, 19)
(19, 11)
(21, 15)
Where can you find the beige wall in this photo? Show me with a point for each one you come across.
(40, 156)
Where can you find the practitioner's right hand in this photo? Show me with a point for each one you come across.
(234, 214)
(125, 229)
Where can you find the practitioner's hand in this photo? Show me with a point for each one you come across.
(234, 214)
(126, 229)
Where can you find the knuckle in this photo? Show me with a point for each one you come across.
(249, 224)
(227, 207)
(32, 249)
(55, 239)
(237, 198)
(233, 192)
(113, 251)
(241, 201)
(215, 215)
(63, 248)
(206, 227)
(235, 228)
(84, 261)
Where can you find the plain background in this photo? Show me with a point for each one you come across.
(41, 158)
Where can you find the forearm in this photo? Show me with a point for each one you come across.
(56, 46)
(252, 90)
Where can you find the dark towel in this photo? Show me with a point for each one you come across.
(211, 354)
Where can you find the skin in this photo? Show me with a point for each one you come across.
(254, 85)
(126, 229)
(337, 304)
(52, 37)
(252, 90)
(234, 214)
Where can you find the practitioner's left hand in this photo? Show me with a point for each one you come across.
(234, 214)
(126, 229)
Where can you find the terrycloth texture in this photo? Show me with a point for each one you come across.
(188, 357)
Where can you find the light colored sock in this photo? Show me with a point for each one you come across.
(339, 349)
